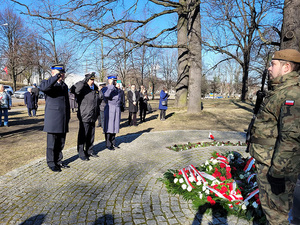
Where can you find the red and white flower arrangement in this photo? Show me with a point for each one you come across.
(227, 180)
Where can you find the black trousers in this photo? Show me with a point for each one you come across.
(85, 139)
(143, 111)
(55, 145)
(132, 118)
(110, 139)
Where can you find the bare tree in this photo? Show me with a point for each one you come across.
(84, 16)
(237, 23)
(169, 68)
(13, 39)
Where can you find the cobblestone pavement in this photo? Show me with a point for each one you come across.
(118, 187)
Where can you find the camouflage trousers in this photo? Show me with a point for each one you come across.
(275, 207)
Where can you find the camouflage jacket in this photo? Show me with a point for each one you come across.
(275, 139)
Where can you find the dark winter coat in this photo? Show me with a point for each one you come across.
(102, 102)
(30, 100)
(57, 108)
(122, 103)
(133, 108)
(163, 97)
(112, 112)
(143, 100)
(88, 101)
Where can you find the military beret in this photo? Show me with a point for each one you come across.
(112, 77)
(290, 55)
(59, 67)
(90, 76)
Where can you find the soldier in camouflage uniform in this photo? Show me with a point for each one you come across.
(275, 137)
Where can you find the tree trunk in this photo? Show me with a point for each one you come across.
(195, 71)
(245, 66)
(183, 68)
(290, 31)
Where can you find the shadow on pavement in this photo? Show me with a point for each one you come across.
(219, 214)
(107, 219)
(36, 220)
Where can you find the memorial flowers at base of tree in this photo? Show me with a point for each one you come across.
(227, 180)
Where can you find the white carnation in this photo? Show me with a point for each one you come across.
(210, 168)
(198, 178)
(175, 180)
(181, 180)
(189, 189)
(191, 179)
(203, 188)
(184, 186)
(215, 161)
(199, 183)
(200, 195)
(207, 192)
(206, 163)
(244, 207)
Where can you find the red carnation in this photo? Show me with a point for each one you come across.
(222, 165)
(256, 196)
(224, 189)
(209, 198)
(228, 175)
(222, 178)
(212, 202)
(258, 201)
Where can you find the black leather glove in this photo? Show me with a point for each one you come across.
(277, 184)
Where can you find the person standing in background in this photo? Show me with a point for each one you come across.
(5, 105)
(143, 100)
(30, 100)
(101, 106)
(133, 97)
(163, 103)
(57, 116)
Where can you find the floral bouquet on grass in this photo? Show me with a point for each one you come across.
(227, 180)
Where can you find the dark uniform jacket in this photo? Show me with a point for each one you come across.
(57, 108)
(88, 101)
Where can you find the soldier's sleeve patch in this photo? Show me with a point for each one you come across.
(289, 102)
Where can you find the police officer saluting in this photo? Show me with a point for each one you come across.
(275, 137)
(57, 116)
(88, 100)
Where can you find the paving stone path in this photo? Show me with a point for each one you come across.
(118, 187)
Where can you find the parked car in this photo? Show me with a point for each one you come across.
(20, 93)
(9, 89)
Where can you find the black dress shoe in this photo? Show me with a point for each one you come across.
(116, 146)
(93, 155)
(55, 168)
(111, 148)
(62, 165)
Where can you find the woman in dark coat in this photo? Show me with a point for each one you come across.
(143, 103)
(163, 103)
(112, 112)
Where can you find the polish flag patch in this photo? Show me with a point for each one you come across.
(289, 102)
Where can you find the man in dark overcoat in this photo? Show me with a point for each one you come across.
(133, 97)
(87, 95)
(57, 116)
(30, 100)
(112, 112)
